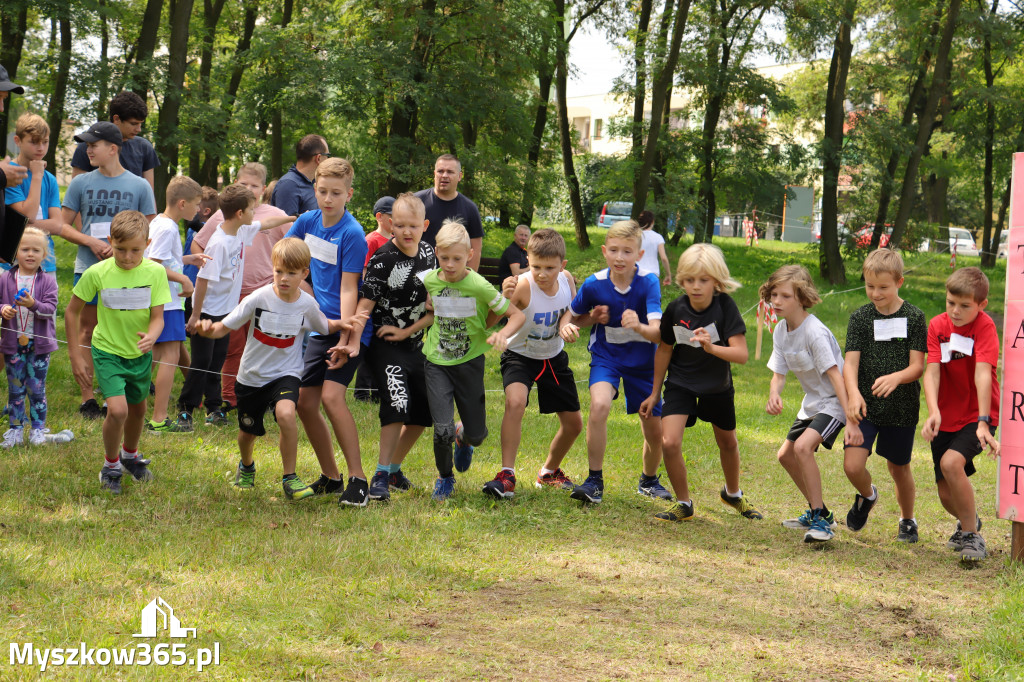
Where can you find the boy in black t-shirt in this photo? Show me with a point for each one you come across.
(886, 341)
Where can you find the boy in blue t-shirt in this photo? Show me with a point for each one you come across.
(623, 303)
(337, 244)
(37, 197)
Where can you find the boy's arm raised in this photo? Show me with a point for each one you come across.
(275, 221)
(983, 383)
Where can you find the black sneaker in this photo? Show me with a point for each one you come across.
(398, 482)
(907, 531)
(110, 479)
(90, 409)
(651, 486)
(379, 488)
(217, 418)
(138, 468)
(325, 486)
(355, 492)
(858, 514)
(592, 490)
(956, 540)
(184, 423)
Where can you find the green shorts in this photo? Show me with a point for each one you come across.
(122, 376)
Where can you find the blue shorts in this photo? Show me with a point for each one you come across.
(174, 326)
(894, 443)
(637, 384)
(95, 299)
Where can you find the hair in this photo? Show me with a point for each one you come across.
(546, 243)
(626, 229)
(452, 233)
(34, 232)
(968, 282)
(646, 219)
(309, 146)
(410, 202)
(268, 191)
(235, 198)
(335, 168)
(707, 259)
(449, 157)
(290, 254)
(126, 105)
(210, 200)
(129, 225)
(522, 226)
(254, 168)
(182, 187)
(884, 260)
(798, 276)
(32, 126)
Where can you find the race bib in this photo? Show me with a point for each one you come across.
(454, 306)
(956, 344)
(321, 249)
(100, 230)
(548, 347)
(280, 324)
(684, 335)
(892, 328)
(422, 274)
(39, 213)
(126, 299)
(623, 335)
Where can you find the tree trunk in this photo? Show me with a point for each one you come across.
(989, 241)
(658, 188)
(564, 131)
(830, 259)
(640, 58)
(145, 47)
(212, 10)
(167, 125)
(13, 27)
(540, 121)
(55, 111)
(104, 70)
(276, 117)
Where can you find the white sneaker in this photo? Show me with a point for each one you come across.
(65, 436)
(37, 437)
(13, 437)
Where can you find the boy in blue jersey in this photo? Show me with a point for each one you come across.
(38, 196)
(623, 303)
(337, 244)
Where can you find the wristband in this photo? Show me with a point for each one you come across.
(986, 419)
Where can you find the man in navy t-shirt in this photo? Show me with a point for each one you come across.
(294, 192)
(128, 112)
(444, 201)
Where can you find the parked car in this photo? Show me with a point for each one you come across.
(1004, 244)
(614, 211)
(960, 238)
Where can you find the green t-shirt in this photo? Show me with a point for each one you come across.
(459, 331)
(126, 297)
(884, 343)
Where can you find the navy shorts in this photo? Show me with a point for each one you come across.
(965, 441)
(718, 409)
(315, 371)
(827, 426)
(895, 443)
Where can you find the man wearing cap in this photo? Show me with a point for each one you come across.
(294, 193)
(11, 175)
(96, 197)
(128, 112)
(443, 201)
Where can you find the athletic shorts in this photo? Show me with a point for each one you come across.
(401, 383)
(637, 384)
(129, 377)
(556, 384)
(825, 424)
(315, 371)
(78, 276)
(174, 326)
(252, 403)
(965, 441)
(895, 443)
(715, 408)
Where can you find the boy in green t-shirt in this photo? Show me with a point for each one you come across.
(132, 292)
(455, 345)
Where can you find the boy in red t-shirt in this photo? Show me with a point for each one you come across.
(962, 393)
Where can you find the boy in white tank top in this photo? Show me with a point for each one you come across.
(535, 354)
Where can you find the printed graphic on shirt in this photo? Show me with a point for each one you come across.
(453, 333)
(276, 329)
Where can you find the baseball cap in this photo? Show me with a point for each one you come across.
(383, 205)
(101, 130)
(6, 85)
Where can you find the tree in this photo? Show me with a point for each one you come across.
(13, 27)
(168, 123)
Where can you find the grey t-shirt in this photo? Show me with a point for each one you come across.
(98, 198)
(809, 351)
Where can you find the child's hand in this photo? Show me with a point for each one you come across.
(78, 370)
(190, 326)
(630, 320)
(26, 301)
(203, 327)
(391, 333)
(853, 436)
(498, 340)
(986, 439)
(600, 314)
(931, 427)
(196, 259)
(884, 385)
(340, 354)
(508, 287)
(569, 332)
(145, 343)
(187, 290)
(701, 336)
(856, 409)
(647, 406)
(7, 312)
(774, 406)
(36, 167)
(667, 281)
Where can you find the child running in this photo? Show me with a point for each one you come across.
(806, 347)
(702, 333)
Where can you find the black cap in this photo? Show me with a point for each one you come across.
(101, 130)
(383, 205)
(6, 85)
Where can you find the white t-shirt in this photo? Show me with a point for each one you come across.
(650, 261)
(165, 246)
(24, 317)
(273, 346)
(808, 352)
(224, 272)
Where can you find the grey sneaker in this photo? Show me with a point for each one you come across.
(110, 479)
(137, 467)
(907, 531)
(956, 540)
(973, 549)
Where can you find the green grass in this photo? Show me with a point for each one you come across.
(537, 588)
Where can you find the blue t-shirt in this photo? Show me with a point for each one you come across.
(49, 197)
(611, 343)
(190, 271)
(294, 194)
(137, 156)
(334, 250)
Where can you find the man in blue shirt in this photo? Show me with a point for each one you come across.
(294, 193)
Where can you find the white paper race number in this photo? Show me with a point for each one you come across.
(321, 249)
(126, 299)
(454, 306)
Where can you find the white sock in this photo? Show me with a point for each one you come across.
(688, 503)
(546, 472)
(731, 494)
(508, 469)
(874, 495)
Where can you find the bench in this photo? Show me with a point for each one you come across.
(489, 269)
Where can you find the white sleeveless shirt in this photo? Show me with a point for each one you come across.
(538, 338)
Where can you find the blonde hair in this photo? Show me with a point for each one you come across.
(37, 233)
(626, 229)
(291, 254)
(452, 233)
(799, 278)
(968, 282)
(884, 260)
(129, 225)
(181, 187)
(408, 201)
(254, 168)
(32, 126)
(335, 167)
(546, 243)
(706, 259)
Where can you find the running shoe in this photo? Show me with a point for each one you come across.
(907, 531)
(591, 491)
(185, 423)
(556, 479)
(858, 514)
(295, 489)
(37, 437)
(246, 480)
(803, 522)
(90, 409)
(217, 418)
(820, 529)
(379, 488)
(167, 426)
(651, 487)
(740, 504)
(62, 436)
(137, 467)
(326, 486)
(463, 451)
(973, 549)
(503, 486)
(956, 540)
(13, 437)
(355, 492)
(677, 512)
(398, 482)
(110, 479)
(444, 486)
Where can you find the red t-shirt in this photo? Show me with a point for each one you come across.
(374, 241)
(958, 395)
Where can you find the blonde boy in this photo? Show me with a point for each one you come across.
(38, 196)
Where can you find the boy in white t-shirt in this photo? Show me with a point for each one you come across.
(268, 375)
(653, 248)
(218, 286)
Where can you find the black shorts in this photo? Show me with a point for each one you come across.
(556, 385)
(825, 424)
(252, 403)
(401, 384)
(315, 371)
(718, 409)
(895, 443)
(965, 441)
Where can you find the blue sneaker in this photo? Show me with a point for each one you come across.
(443, 488)
(652, 487)
(463, 451)
(803, 522)
(591, 491)
(820, 529)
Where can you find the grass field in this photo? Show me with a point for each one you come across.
(535, 588)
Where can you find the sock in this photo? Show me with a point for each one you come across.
(733, 495)
(116, 464)
(386, 468)
(913, 519)
(129, 454)
(286, 477)
(822, 511)
(394, 468)
(356, 478)
(597, 473)
(509, 469)
(247, 468)
(688, 503)
(646, 477)
(546, 472)
(874, 496)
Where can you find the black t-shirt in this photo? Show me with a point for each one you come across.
(512, 254)
(439, 210)
(392, 283)
(691, 368)
(137, 156)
